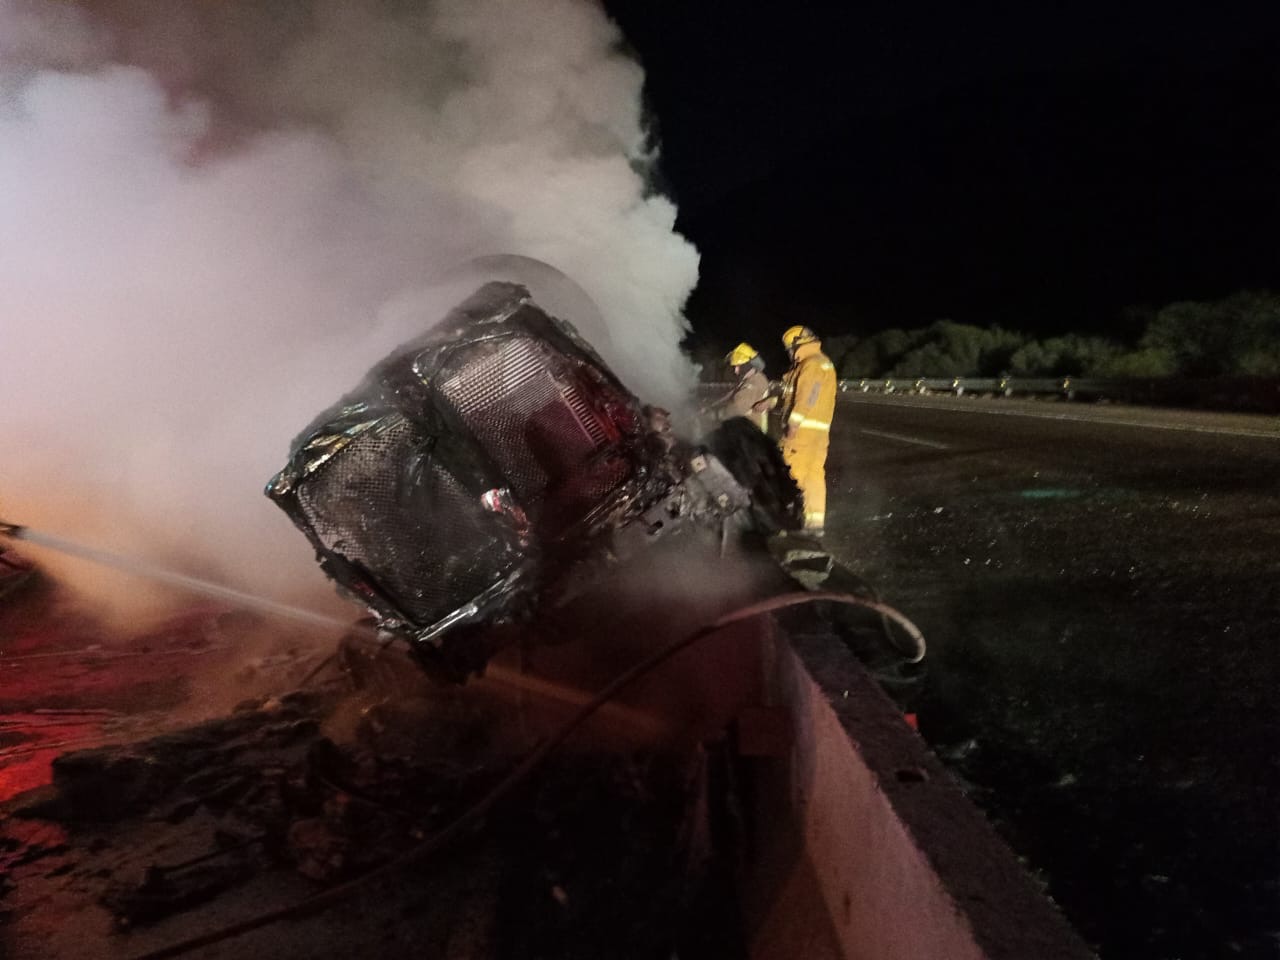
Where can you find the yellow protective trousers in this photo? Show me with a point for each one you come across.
(806, 454)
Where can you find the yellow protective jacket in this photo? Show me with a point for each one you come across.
(751, 391)
(809, 391)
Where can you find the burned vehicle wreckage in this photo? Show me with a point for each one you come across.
(484, 472)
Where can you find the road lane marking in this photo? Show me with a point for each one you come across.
(1076, 418)
(898, 436)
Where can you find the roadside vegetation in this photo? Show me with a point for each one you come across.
(1235, 336)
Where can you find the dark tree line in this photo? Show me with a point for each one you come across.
(1238, 335)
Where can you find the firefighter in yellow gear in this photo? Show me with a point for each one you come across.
(750, 396)
(808, 402)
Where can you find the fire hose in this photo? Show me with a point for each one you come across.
(524, 769)
(521, 772)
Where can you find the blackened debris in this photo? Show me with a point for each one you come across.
(479, 469)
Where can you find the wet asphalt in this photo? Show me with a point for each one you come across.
(1100, 587)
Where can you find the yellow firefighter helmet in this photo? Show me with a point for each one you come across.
(797, 335)
(742, 353)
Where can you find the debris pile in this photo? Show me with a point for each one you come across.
(596, 854)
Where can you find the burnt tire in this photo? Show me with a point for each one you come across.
(756, 462)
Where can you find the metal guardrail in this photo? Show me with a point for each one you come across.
(959, 386)
(1257, 394)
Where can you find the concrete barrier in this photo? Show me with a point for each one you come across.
(863, 848)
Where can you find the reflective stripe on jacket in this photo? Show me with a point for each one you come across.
(809, 390)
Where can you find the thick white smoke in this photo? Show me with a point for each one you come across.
(214, 216)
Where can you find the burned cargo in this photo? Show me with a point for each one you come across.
(482, 472)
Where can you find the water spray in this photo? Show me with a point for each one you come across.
(539, 687)
(173, 578)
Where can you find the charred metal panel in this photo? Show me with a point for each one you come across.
(474, 467)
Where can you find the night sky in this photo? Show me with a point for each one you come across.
(1040, 166)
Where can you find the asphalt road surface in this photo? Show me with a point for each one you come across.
(1100, 586)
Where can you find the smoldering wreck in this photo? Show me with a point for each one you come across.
(486, 471)
(594, 708)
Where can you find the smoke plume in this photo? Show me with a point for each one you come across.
(215, 216)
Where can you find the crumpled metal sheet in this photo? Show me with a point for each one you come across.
(473, 466)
